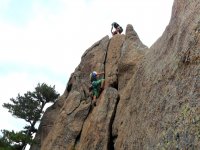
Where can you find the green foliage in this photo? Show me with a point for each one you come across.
(17, 137)
(45, 93)
(14, 140)
(5, 145)
(30, 108)
(24, 107)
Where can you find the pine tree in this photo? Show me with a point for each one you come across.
(29, 107)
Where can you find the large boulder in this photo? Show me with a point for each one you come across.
(96, 131)
(66, 112)
(132, 52)
(112, 59)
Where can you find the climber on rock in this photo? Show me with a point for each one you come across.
(97, 84)
(118, 28)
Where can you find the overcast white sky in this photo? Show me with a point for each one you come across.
(43, 40)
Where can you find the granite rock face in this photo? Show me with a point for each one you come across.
(97, 127)
(151, 96)
(160, 105)
(66, 123)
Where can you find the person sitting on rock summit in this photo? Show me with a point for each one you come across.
(118, 28)
(97, 84)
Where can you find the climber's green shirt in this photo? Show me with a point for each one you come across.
(96, 85)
